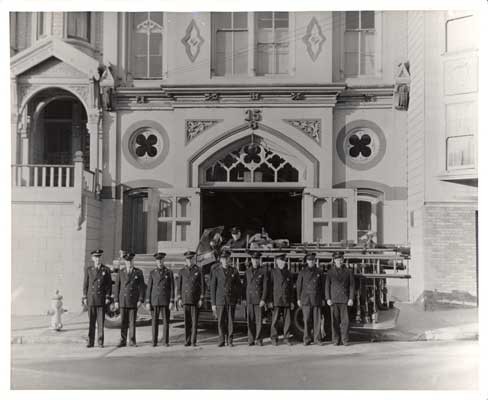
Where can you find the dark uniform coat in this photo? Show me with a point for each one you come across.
(310, 286)
(160, 287)
(281, 282)
(97, 285)
(129, 288)
(191, 286)
(339, 286)
(256, 285)
(225, 286)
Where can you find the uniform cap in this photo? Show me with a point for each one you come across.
(189, 254)
(255, 254)
(159, 255)
(310, 256)
(337, 254)
(225, 253)
(281, 256)
(97, 252)
(235, 230)
(129, 256)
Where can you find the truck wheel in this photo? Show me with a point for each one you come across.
(297, 323)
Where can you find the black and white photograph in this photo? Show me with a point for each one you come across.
(244, 196)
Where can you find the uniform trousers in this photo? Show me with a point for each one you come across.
(340, 322)
(165, 313)
(191, 323)
(225, 317)
(286, 312)
(96, 316)
(311, 316)
(128, 321)
(254, 322)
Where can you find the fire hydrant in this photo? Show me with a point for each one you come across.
(56, 312)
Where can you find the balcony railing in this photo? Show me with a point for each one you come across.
(43, 176)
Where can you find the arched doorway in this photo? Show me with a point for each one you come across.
(253, 183)
(58, 128)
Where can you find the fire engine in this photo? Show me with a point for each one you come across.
(381, 277)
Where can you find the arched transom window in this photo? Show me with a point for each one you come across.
(252, 163)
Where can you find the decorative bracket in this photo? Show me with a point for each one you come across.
(311, 127)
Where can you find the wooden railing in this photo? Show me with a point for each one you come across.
(38, 175)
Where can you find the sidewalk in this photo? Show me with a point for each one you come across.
(413, 325)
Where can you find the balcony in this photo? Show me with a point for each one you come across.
(59, 183)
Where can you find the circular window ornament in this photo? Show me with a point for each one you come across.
(145, 144)
(361, 144)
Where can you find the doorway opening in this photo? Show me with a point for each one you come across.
(279, 212)
(135, 221)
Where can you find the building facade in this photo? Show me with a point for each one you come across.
(136, 131)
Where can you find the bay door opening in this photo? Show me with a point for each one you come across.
(278, 211)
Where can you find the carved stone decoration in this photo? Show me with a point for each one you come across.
(193, 127)
(311, 127)
(141, 99)
(106, 87)
(211, 96)
(314, 39)
(255, 96)
(252, 118)
(192, 41)
(402, 86)
(296, 96)
(81, 91)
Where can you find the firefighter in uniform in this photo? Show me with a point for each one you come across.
(129, 295)
(225, 292)
(281, 298)
(339, 292)
(237, 241)
(256, 294)
(160, 297)
(310, 294)
(97, 289)
(191, 291)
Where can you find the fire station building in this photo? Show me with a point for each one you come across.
(137, 130)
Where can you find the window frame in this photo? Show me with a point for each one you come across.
(378, 55)
(446, 37)
(275, 54)
(127, 51)
(89, 28)
(214, 32)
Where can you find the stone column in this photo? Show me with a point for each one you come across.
(93, 129)
(307, 213)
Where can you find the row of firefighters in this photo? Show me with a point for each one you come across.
(272, 288)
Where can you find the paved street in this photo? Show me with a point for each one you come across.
(381, 365)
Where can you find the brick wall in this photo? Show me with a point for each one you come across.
(450, 248)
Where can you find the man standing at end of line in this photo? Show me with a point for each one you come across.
(160, 297)
(191, 292)
(97, 289)
(339, 292)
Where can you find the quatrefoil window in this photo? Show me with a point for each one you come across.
(146, 145)
(360, 145)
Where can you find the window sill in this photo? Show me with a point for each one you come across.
(462, 173)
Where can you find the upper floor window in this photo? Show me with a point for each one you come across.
(232, 34)
(359, 43)
(461, 34)
(272, 42)
(146, 31)
(231, 43)
(79, 25)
